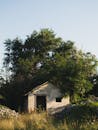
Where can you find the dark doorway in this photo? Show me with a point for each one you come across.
(41, 102)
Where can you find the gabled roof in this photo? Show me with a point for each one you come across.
(37, 87)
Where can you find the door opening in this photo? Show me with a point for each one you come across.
(41, 102)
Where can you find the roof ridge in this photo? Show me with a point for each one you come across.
(38, 86)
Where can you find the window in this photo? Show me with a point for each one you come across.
(58, 99)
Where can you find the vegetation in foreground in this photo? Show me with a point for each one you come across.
(82, 117)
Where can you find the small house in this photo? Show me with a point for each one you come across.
(46, 97)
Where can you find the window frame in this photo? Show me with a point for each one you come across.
(58, 99)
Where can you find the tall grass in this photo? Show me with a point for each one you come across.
(33, 121)
(41, 121)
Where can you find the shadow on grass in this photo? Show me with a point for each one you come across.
(77, 117)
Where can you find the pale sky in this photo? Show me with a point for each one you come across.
(75, 20)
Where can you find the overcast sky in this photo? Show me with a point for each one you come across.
(75, 20)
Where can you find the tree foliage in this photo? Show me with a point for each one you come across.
(44, 56)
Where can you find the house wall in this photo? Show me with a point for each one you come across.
(51, 93)
(31, 103)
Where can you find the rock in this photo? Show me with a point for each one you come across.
(7, 113)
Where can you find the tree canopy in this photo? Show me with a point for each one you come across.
(43, 56)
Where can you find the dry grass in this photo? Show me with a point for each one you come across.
(6, 124)
(36, 121)
(33, 121)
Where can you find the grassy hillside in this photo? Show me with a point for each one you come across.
(78, 118)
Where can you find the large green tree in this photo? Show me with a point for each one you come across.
(25, 57)
(70, 69)
(23, 61)
(44, 56)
